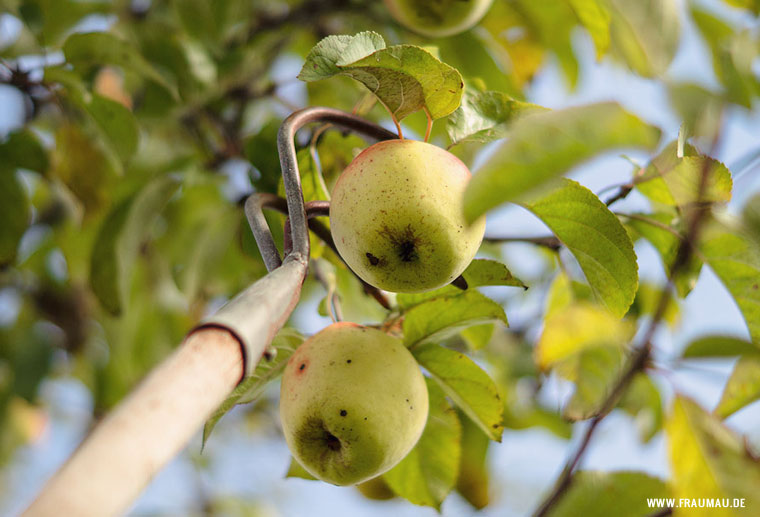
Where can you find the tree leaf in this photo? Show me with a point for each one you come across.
(98, 48)
(719, 346)
(708, 460)
(545, 145)
(472, 481)
(599, 494)
(23, 150)
(81, 164)
(119, 239)
(428, 473)
(675, 181)
(283, 345)
(733, 52)
(484, 116)
(467, 384)
(667, 244)
(643, 402)
(15, 213)
(595, 17)
(586, 345)
(596, 238)
(438, 318)
(645, 34)
(742, 388)
(404, 78)
(480, 273)
(735, 259)
(117, 123)
(751, 217)
(295, 470)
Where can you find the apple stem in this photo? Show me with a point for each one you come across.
(429, 124)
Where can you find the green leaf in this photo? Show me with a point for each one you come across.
(652, 227)
(436, 319)
(751, 5)
(735, 259)
(645, 34)
(643, 402)
(405, 78)
(99, 48)
(708, 460)
(472, 481)
(595, 17)
(545, 145)
(742, 388)
(596, 238)
(599, 494)
(295, 470)
(428, 473)
(719, 346)
(467, 384)
(675, 181)
(119, 239)
(647, 301)
(480, 273)
(751, 217)
(283, 345)
(23, 150)
(84, 167)
(733, 52)
(485, 116)
(15, 213)
(477, 337)
(586, 345)
(117, 124)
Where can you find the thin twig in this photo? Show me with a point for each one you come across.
(622, 193)
(550, 242)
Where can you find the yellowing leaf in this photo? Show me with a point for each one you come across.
(742, 388)
(709, 461)
(586, 345)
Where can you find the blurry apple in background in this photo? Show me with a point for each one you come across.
(438, 18)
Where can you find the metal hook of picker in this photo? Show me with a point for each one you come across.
(274, 296)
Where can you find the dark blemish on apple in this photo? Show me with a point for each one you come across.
(303, 365)
(343, 412)
(495, 426)
(332, 442)
(348, 361)
(365, 418)
(407, 251)
(373, 259)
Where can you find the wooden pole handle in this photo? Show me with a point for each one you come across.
(113, 465)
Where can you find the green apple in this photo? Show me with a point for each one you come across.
(353, 403)
(438, 18)
(397, 220)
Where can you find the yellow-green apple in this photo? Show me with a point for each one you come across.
(396, 216)
(353, 403)
(438, 18)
